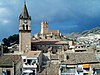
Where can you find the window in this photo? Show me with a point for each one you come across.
(33, 72)
(8, 72)
(29, 61)
(67, 57)
(45, 37)
(3, 73)
(86, 69)
(51, 36)
(33, 62)
(23, 27)
(85, 74)
(24, 60)
(25, 63)
(26, 27)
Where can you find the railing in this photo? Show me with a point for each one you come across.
(29, 66)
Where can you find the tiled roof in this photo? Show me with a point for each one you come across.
(96, 66)
(77, 58)
(61, 42)
(9, 60)
(44, 42)
(54, 57)
(32, 54)
(49, 42)
(56, 32)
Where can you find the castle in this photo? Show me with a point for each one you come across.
(45, 30)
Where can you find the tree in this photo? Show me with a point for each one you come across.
(6, 42)
(14, 39)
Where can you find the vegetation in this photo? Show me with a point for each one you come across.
(14, 39)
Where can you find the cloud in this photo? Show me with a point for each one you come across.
(68, 15)
(4, 22)
(5, 12)
(5, 15)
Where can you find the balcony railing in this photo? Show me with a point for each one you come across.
(29, 66)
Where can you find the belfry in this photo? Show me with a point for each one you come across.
(24, 31)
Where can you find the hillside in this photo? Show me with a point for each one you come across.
(84, 33)
(92, 31)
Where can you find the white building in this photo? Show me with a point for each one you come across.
(31, 62)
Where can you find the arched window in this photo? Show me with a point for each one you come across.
(23, 27)
(26, 27)
(67, 57)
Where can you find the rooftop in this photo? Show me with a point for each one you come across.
(49, 42)
(44, 42)
(32, 54)
(9, 60)
(79, 58)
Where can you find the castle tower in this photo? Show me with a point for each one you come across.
(24, 31)
(44, 28)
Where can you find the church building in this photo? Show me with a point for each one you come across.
(24, 31)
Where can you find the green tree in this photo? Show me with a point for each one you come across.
(14, 39)
(6, 42)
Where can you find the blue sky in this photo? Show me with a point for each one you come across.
(66, 15)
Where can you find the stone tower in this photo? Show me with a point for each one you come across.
(44, 28)
(24, 31)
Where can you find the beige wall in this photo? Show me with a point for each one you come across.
(44, 28)
(24, 41)
(21, 25)
(19, 67)
(24, 36)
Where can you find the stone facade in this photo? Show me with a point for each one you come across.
(31, 62)
(7, 70)
(24, 31)
(45, 30)
(10, 65)
(25, 41)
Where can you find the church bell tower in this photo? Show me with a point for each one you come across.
(24, 31)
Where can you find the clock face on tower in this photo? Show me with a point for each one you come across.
(25, 21)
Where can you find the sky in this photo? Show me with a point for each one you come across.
(65, 15)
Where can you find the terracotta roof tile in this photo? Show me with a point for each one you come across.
(32, 54)
(75, 58)
(8, 60)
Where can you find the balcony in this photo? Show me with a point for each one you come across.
(25, 65)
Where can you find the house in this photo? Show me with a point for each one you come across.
(45, 45)
(96, 68)
(31, 62)
(79, 64)
(10, 65)
(80, 49)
